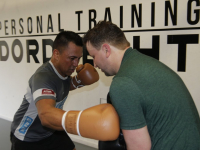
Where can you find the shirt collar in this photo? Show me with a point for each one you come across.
(61, 77)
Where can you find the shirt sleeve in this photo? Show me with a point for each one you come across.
(43, 87)
(127, 99)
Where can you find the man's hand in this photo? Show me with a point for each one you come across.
(86, 75)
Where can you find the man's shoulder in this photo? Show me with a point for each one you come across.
(44, 73)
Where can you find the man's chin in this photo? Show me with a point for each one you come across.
(68, 74)
(107, 74)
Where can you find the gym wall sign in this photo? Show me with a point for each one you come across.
(37, 26)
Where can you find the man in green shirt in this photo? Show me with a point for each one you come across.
(155, 107)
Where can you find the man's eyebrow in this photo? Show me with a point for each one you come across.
(75, 56)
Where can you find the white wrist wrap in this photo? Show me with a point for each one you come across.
(63, 120)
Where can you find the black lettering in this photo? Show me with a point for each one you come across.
(18, 59)
(182, 41)
(13, 26)
(29, 25)
(85, 57)
(107, 13)
(79, 18)
(59, 29)
(189, 13)
(22, 29)
(5, 57)
(46, 42)
(173, 15)
(39, 24)
(32, 52)
(153, 14)
(50, 24)
(92, 19)
(154, 52)
(121, 17)
(138, 16)
(6, 27)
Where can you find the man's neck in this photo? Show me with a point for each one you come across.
(119, 54)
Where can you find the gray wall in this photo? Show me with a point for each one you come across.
(5, 137)
(4, 134)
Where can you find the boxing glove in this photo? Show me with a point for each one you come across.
(118, 144)
(86, 75)
(99, 122)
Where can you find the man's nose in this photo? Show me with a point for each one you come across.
(75, 62)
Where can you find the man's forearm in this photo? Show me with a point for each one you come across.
(49, 115)
(52, 119)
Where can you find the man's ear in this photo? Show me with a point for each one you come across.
(106, 49)
(56, 54)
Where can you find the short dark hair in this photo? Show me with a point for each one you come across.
(63, 39)
(106, 31)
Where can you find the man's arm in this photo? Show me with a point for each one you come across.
(137, 139)
(99, 122)
(50, 116)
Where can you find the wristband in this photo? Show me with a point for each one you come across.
(63, 120)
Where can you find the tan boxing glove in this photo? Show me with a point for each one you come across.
(86, 75)
(99, 122)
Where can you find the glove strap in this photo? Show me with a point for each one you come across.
(77, 124)
(78, 81)
(63, 121)
(73, 84)
(80, 86)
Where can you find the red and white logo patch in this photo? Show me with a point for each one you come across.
(48, 92)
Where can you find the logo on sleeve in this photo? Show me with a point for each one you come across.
(48, 92)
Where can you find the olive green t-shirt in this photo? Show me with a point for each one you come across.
(145, 92)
